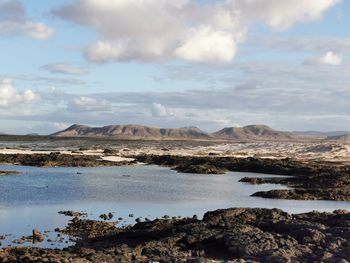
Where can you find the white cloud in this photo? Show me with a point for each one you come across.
(9, 95)
(64, 68)
(60, 125)
(102, 52)
(206, 44)
(85, 103)
(281, 15)
(162, 29)
(330, 58)
(159, 110)
(14, 22)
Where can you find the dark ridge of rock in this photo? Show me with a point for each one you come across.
(269, 166)
(201, 169)
(336, 194)
(57, 159)
(236, 234)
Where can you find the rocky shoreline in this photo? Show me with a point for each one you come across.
(237, 234)
(309, 180)
(57, 159)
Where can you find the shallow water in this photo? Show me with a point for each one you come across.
(32, 199)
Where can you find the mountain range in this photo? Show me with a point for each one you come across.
(246, 133)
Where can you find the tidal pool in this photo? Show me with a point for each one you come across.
(33, 198)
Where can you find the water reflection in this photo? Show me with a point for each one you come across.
(32, 200)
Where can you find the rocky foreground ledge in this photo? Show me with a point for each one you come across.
(237, 234)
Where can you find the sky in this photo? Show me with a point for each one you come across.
(204, 63)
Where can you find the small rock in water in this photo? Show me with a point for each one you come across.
(37, 236)
(103, 216)
(131, 215)
(108, 216)
(71, 213)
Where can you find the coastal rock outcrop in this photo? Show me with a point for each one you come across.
(237, 234)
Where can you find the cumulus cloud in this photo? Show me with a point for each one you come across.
(159, 110)
(330, 58)
(10, 96)
(14, 22)
(206, 44)
(64, 68)
(184, 29)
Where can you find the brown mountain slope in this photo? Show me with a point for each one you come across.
(253, 132)
(132, 132)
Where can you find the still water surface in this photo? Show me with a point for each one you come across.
(33, 198)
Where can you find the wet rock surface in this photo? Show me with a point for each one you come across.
(57, 159)
(248, 235)
(309, 180)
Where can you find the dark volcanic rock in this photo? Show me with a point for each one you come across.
(269, 166)
(237, 234)
(201, 169)
(57, 159)
(339, 194)
(72, 213)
